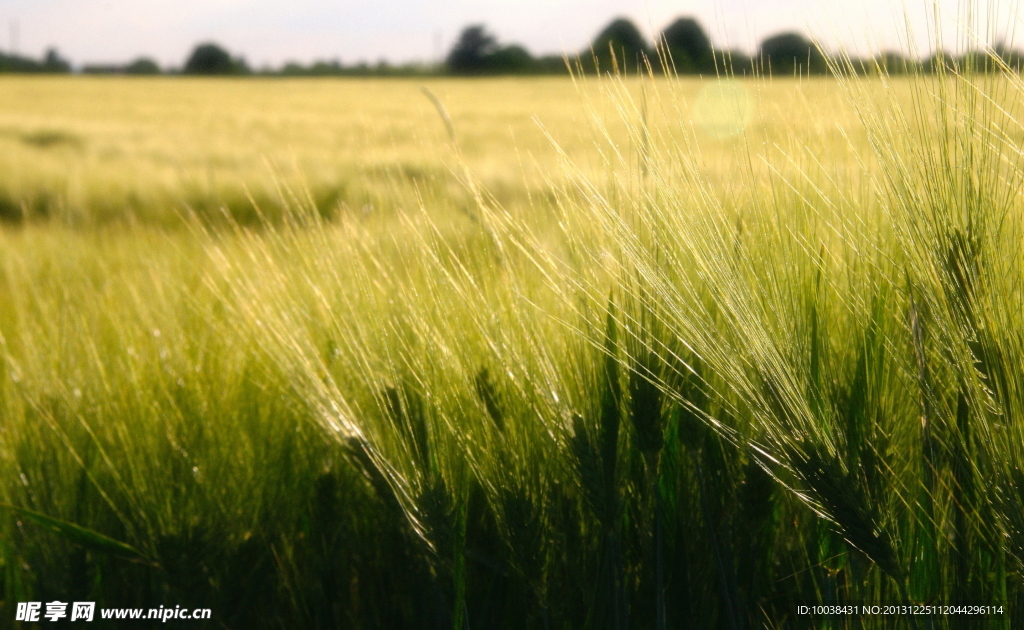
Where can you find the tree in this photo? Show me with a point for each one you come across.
(792, 52)
(53, 62)
(623, 39)
(1010, 56)
(142, 65)
(892, 63)
(478, 52)
(688, 46)
(14, 63)
(509, 60)
(209, 59)
(469, 55)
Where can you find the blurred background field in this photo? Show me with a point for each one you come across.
(627, 353)
(87, 151)
(90, 150)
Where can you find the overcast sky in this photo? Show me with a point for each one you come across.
(270, 32)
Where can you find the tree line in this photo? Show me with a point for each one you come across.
(683, 47)
(51, 62)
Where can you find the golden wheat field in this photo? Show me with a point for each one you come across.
(516, 352)
(94, 150)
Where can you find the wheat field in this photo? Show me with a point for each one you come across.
(514, 353)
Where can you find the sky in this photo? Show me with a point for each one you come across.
(269, 32)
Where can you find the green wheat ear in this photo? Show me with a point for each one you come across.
(611, 410)
(436, 511)
(489, 397)
(845, 505)
(405, 410)
(524, 532)
(87, 538)
(588, 466)
(361, 453)
(645, 400)
(1010, 496)
(962, 267)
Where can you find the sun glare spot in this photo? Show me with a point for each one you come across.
(723, 108)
